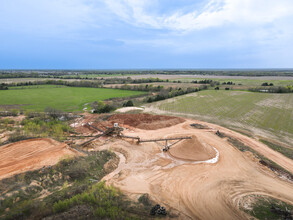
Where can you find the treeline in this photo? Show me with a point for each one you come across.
(80, 73)
(147, 88)
(129, 80)
(92, 84)
(162, 93)
(173, 93)
(205, 81)
(279, 89)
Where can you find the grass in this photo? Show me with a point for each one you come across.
(288, 152)
(264, 208)
(270, 112)
(62, 98)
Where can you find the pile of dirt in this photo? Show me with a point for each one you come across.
(145, 121)
(32, 154)
(193, 150)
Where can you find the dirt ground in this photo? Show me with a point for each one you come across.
(145, 121)
(208, 187)
(31, 154)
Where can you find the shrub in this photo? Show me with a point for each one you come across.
(145, 200)
(128, 103)
(60, 206)
(100, 212)
(101, 107)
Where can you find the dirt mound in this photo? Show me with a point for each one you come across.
(192, 149)
(31, 154)
(145, 121)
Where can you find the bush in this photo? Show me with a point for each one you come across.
(100, 212)
(60, 206)
(145, 200)
(128, 103)
(101, 107)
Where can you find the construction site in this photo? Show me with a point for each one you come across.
(192, 171)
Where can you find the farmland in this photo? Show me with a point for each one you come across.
(63, 98)
(272, 113)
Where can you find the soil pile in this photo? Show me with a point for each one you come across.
(146, 121)
(31, 154)
(193, 150)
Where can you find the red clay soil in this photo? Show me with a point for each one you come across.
(192, 150)
(145, 121)
(32, 154)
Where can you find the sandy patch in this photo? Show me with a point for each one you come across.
(31, 154)
(127, 109)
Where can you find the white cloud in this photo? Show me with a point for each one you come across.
(215, 13)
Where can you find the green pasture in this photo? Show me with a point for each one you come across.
(272, 112)
(37, 98)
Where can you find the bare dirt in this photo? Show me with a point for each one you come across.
(32, 154)
(145, 121)
(192, 150)
(193, 189)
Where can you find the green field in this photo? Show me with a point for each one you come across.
(247, 110)
(37, 98)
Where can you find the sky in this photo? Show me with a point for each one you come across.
(146, 34)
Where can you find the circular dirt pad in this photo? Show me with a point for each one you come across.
(193, 150)
(145, 121)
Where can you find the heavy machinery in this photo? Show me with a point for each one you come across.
(116, 131)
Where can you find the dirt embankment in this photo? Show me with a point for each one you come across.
(32, 154)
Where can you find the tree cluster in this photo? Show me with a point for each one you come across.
(279, 89)
(3, 86)
(267, 84)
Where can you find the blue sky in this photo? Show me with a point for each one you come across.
(130, 34)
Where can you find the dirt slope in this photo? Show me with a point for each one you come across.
(31, 154)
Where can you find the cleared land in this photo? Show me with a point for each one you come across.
(31, 155)
(62, 98)
(205, 177)
(272, 113)
(210, 189)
